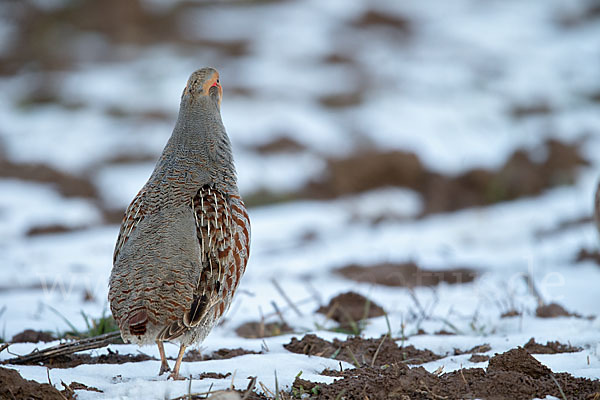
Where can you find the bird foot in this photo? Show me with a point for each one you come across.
(164, 368)
(175, 377)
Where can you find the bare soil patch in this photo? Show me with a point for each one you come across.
(521, 175)
(255, 330)
(68, 185)
(477, 358)
(519, 111)
(14, 386)
(549, 348)
(511, 375)
(116, 22)
(341, 100)
(221, 354)
(73, 360)
(32, 336)
(282, 144)
(51, 229)
(69, 390)
(482, 348)
(360, 351)
(213, 375)
(510, 313)
(372, 18)
(554, 310)
(405, 274)
(588, 255)
(350, 308)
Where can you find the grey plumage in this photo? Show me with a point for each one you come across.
(184, 240)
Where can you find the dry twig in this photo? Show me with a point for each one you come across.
(37, 356)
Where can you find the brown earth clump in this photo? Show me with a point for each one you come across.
(255, 330)
(68, 185)
(482, 348)
(73, 360)
(553, 310)
(69, 390)
(477, 358)
(32, 336)
(283, 144)
(39, 29)
(14, 386)
(511, 375)
(522, 175)
(549, 348)
(341, 100)
(588, 255)
(539, 108)
(405, 275)
(510, 313)
(221, 354)
(356, 350)
(51, 229)
(212, 375)
(444, 332)
(518, 360)
(373, 18)
(350, 308)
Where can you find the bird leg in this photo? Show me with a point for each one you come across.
(175, 373)
(164, 366)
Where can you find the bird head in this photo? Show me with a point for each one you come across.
(204, 82)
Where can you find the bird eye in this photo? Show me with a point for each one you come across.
(218, 81)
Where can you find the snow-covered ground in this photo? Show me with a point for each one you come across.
(443, 91)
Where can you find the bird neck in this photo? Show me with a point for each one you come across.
(199, 146)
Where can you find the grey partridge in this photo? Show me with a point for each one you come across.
(184, 241)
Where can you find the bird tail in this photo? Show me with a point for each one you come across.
(138, 321)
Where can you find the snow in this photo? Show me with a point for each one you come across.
(445, 94)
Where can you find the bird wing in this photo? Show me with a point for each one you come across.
(133, 215)
(222, 229)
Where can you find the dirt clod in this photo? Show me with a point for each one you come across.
(350, 308)
(373, 18)
(213, 375)
(73, 360)
(511, 375)
(405, 274)
(477, 358)
(483, 348)
(510, 313)
(549, 348)
(31, 336)
(342, 100)
(519, 111)
(221, 354)
(518, 360)
(282, 144)
(14, 386)
(521, 175)
(68, 185)
(254, 330)
(359, 350)
(553, 310)
(588, 255)
(50, 229)
(73, 386)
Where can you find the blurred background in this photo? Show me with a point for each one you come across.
(409, 109)
(322, 99)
